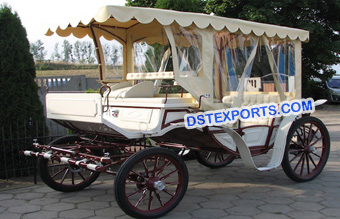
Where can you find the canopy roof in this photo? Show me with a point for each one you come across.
(124, 18)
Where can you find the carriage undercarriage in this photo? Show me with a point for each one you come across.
(152, 177)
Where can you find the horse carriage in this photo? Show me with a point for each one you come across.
(158, 65)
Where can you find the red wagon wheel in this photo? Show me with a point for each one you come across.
(151, 183)
(65, 177)
(307, 149)
(214, 159)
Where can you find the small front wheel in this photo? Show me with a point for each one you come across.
(151, 183)
(307, 149)
(65, 177)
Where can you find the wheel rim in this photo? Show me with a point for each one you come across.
(153, 184)
(308, 150)
(216, 158)
(67, 175)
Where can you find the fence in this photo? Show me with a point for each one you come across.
(18, 137)
(68, 83)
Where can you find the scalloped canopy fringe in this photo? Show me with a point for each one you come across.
(113, 14)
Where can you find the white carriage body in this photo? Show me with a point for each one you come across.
(238, 63)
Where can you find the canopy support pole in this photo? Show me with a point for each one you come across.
(99, 53)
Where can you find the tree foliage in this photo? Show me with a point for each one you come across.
(67, 51)
(179, 5)
(141, 3)
(55, 56)
(20, 104)
(182, 5)
(18, 91)
(38, 50)
(319, 17)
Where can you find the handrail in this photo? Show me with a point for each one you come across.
(167, 89)
(106, 97)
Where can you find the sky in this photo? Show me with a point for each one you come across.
(38, 15)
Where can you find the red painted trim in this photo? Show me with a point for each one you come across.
(174, 121)
(138, 107)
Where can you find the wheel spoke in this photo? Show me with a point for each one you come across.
(302, 165)
(72, 176)
(155, 166)
(311, 159)
(317, 155)
(172, 183)
(309, 133)
(304, 134)
(132, 170)
(134, 183)
(307, 163)
(167, 192)
(64, 176)
(160, 171)
(81, 175)
(57, 173)
(209, 154)
(169, 174)
(141, 198)
(138, 191)
(145, 168)
(314, 133)
(220, 157)
(299, 137)
(159, 198)
(298, 155)
(317, 139)
(150, 200)
(299, 162)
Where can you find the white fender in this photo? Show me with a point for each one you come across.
(319, 102)
(278, 149)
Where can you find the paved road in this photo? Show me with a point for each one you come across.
(230, 192)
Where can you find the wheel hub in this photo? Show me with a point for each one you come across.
(310, 149)
(74, 169)
(159, 185)
(155, 183)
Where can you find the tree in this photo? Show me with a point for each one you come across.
(38, 50)
(56, 55)
(18, 90)
(67, 51)
(89, 51)
(182, 5)
(77, 51)
(319, 17)
(179, 5)
(141, 3)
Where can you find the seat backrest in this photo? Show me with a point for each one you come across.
(140, 90)
(252, 99)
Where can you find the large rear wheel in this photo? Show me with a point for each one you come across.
(307, 149)
(214, 159)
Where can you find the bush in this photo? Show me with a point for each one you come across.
(18, 90)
